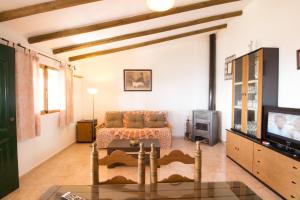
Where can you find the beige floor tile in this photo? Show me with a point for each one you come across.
(72, 167)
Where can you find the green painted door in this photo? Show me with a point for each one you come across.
(9, 178)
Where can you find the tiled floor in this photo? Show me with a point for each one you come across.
(72, 167)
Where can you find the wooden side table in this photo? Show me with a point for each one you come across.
(86, 130)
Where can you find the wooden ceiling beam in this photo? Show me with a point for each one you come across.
(40, 8)
(147, 32)
(124, 21)
(124, 48)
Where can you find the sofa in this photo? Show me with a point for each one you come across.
(134, 125)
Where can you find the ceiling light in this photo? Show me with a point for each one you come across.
(160, 5)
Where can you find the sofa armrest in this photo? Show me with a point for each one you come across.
(102, 125)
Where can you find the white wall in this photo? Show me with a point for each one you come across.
(268, 23)
(53, 139)
(180, 80)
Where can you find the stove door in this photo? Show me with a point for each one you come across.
(201, 128)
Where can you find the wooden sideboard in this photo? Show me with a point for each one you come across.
(86, 130)
(276, 170)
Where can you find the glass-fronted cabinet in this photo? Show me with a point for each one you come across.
(255, 84)
(246, 94)
(246, 87)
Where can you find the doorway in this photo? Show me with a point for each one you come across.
(9, 177)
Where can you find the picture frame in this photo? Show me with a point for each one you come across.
(137, 80)
(298, 59)
(228, 67)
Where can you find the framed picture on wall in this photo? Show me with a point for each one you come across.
(228, 67)
(298, 59)
(137, 80)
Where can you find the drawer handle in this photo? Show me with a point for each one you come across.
(257, 172)
(294, 182)
(295, 167)
(258, 161)
(293, 196)
(258, 150)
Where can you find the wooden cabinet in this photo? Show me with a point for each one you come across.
(278, 171)
(85, 130)
(255, 84)
(240, 149)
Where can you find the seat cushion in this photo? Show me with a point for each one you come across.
(114, 120)
(155, 124)
(135, 120)
(106, 135)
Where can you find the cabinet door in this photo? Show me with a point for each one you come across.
(245, 153)
(244, 93)
(9, 177)
(240, 88)
(240, 149)
(237, 94)
(231, 144)
(254, 93)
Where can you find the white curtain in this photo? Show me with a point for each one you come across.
(66, 110)
(27, 94)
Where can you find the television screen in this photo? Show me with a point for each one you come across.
(285, 125)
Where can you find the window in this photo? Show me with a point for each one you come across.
(51, 90)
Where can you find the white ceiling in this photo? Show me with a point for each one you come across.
(102, 11)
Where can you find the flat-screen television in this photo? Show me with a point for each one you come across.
(282, 126)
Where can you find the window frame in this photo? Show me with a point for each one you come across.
(45, 75)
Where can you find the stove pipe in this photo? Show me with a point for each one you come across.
(212, 73)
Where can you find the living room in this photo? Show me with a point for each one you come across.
(184, 56)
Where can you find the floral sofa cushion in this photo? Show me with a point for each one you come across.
(114, 120)
(156, 120)
(135, 121)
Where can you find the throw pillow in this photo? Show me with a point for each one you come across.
(157, 117)
(156, 121)
(114, 120)
(135, 121)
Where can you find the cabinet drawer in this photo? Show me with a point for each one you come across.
(278, 171)
(291, 193)
(284, 186)
(277, 163)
